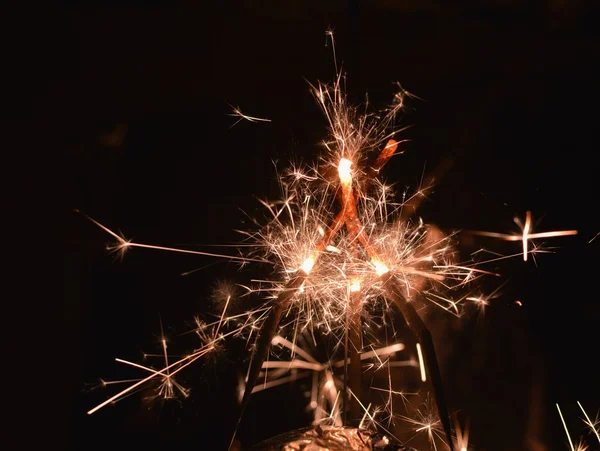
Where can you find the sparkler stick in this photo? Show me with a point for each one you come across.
(412, 318)
(353, 346)
(353, 333)
(393, 292)
(268, 331)
(353, 326)
(388, 152)
(269, 327)
(414, 321)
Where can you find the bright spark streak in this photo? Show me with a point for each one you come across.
(124, 244)
(565, 426)
(191, 358)
(428, 423)
(364, 417)
(421, 363)
(462, 436)
(478, 300)
(293, 364)
(335, 412)
(104, 383)
(590, 423)
(370, 416)
(526, 235)
(376, 353)
(282, 380)
(402, 363)
(391, 349)
(222, 316)
(279, 340)
(238, 113)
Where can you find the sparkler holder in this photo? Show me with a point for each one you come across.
(330, 438)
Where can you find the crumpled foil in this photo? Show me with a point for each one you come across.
(331, 438)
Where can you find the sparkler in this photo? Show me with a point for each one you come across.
(339, 274)
(370, 256)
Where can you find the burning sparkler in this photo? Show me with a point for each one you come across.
(345, 258)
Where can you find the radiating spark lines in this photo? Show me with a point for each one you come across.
(123, 245)
(244, 117)
(526, 235)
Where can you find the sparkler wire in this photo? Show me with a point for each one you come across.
(414, 321)
(269, 328)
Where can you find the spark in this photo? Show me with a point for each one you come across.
(593, 425)
(526, 235)
(241, 117)
(565, 426)
(324, 381)
(428, 423)
(123, 245)
(222, 317)
(329, 35)
(462, 436)
(210, 342)
(421, 363)
(186, 361)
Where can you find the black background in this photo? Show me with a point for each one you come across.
(136, 98)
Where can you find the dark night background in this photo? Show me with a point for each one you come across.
(137, 101)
